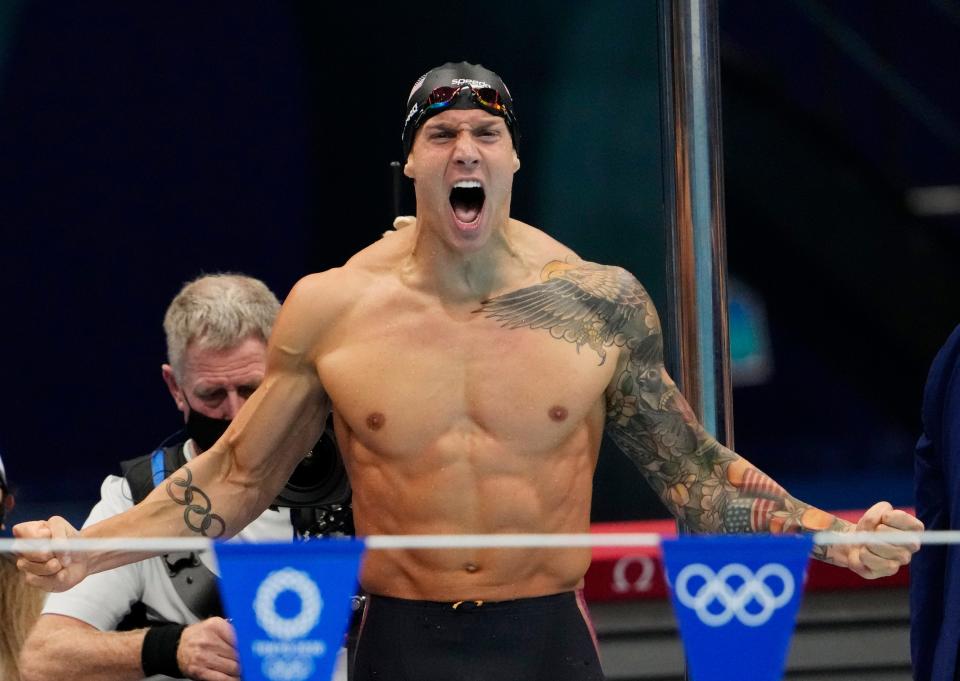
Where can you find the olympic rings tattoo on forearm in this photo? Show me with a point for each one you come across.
(201, 510)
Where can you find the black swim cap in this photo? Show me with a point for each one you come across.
(474, 79)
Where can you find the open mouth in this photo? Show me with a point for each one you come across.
(466, 199)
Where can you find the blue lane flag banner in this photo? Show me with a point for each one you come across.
(736, 599)
(289, 604)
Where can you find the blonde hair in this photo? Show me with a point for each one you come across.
(218, 312)
(20, 607)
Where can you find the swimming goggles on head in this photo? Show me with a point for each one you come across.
(486, 98)
(445, 97)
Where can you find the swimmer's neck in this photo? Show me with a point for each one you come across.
(468, 274)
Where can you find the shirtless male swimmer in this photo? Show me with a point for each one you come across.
(472, 363)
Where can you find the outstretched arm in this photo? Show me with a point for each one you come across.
(706, 485)
(711, 488)
(220, 492)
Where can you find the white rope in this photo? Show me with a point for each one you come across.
(138, 544)
(460, 541)
(927, 537)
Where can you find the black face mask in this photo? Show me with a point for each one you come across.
(204, 430)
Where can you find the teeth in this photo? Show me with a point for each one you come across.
(467, 184)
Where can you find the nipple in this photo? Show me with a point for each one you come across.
(558, 413)
(375, 421)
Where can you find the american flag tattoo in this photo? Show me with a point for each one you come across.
(756, 483)
(760, 514)
(749, 515)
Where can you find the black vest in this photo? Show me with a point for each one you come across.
(194, 582)
(318, 495)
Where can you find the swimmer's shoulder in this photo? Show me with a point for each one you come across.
(322, 298)
(322, 289)
(317, 313)
(318, 301)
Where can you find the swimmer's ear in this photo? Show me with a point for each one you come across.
(516, 161)
(408, 166)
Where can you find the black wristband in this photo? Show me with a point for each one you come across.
(159, 652)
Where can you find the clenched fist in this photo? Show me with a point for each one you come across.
(882, 560)
(49, 570)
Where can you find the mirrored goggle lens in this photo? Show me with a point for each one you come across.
(486, 97)
(490, 98)
(441, 95)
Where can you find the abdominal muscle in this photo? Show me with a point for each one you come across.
(468, 482)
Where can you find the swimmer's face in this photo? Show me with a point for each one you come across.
(462, 162)
(217, 382)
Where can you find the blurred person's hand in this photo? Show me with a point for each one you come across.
(207, 651)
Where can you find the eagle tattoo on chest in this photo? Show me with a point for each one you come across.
(581, 303)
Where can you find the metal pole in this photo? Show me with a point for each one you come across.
(696, 332)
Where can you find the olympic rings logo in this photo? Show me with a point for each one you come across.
(265, 604)
(716, 588)
(190, 494)
(278, 669)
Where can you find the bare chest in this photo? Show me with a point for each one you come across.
(401, 383)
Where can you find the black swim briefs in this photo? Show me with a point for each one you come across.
(532, 639)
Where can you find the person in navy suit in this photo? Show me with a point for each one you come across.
(935, 574)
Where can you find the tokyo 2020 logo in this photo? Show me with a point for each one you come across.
(265, 604)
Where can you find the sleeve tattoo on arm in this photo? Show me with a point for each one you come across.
(198, 514)
(708, 486)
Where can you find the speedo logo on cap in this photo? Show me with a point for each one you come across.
(470, 82)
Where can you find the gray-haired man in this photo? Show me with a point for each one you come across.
(216, 330)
